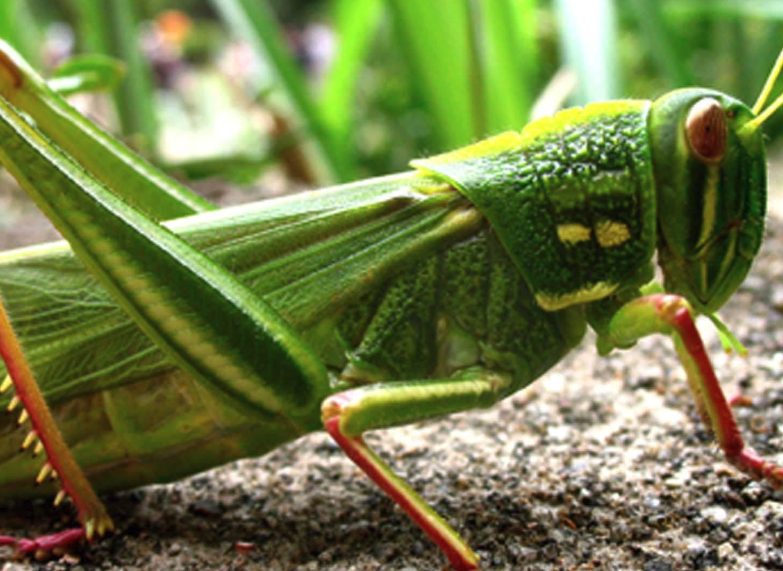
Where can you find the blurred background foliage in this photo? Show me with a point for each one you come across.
(333, 90)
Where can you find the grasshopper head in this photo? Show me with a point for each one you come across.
(710, 173)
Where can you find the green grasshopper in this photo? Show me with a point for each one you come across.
(221, 335)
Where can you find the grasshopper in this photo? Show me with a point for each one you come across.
(168, 340)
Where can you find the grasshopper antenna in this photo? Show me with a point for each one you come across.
(762, 116)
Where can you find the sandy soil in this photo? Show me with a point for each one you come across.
(601, 465)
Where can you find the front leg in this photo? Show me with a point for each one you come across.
(672, 315)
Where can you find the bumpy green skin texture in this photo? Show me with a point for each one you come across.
(466, 307)
(588, 167)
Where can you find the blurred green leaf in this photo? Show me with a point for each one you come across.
(19, 28)
(355, 25)
(239, 169)
(588, 39)
(85, 73)
(253, 21)
(111, 28)
(510, 62)
(664, 44)
(766, 9)
(433, 38)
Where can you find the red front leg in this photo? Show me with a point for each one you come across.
(671, 314)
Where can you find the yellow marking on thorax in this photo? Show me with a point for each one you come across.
(586, 294)
(572, 233)
(610, 233)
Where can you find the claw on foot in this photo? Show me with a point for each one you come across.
(98, 526)
(57, 544)
(46, 547)
(749, 462)
(54, 543)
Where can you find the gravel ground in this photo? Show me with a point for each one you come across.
(601, 465)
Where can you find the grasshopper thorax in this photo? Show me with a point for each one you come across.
(710, 177)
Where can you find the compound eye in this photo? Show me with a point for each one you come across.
(706, 130)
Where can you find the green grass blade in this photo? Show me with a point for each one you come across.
(510, 60)
(665, 46)
(86, 73)
(254, 21)
(19, 28)
(355, 25)
(111, 28)
(764, 9)
(433, 38)
(588, 33)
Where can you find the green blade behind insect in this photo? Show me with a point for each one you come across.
(87, 73)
